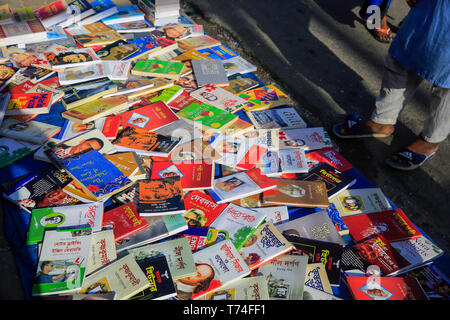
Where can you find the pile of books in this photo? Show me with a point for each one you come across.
(173, 172)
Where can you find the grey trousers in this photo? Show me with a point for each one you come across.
(397, 89)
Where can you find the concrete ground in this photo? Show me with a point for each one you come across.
(320, 53)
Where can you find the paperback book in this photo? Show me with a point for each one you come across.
(209, 72)
(355, 201)
(264, 98)
(12, 150)
(158, 68)
(276, 117)
(306, 138)
(252, 288)
(102, 250)
(201, 209)
(34, 132)
(218, 97)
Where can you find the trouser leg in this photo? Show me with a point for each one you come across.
(437, 126)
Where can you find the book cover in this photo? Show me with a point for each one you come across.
(315, 225)
(253, 288)
(285, 277)
(128, 163)
(276, 117)
(41, 190)
(240, 184)
(102, 250)
(124, 220)
(122, 276)
(310, 293)
(306, 138)
(218, 97)
(355, 201)
(43, 219)
(80, 93)
(158, 68)
(432, 280)
(22, 32)
(145, 142)
(239, 83)
(210, 72)
(337, 220)
(161, 196)
(96, 109)
(56, 94)
(133, 27)
(239, 223)
(34, 132)
(393, 225)
(210, 117)
(12, 150)
(104, 38)
(201, 209)
(62, 261)
(264, 98)
(237, 65)
(265, 244)
(158, 274)
(177, 252)
(195, 175)
(146, 45)
(74, 75)
(125, 14)
(187, 82)
(201, 237)
(274, 214)
(284, 161)
(29, 103)
(217, 265)
(336, 181)
(118, 50)
(317, 278)
(327, 253)
(297, 193)
(329, 156)
(220, 52)
(198, 42)
(96, 174)
(385, 288)
(179, 31)
(60, 57)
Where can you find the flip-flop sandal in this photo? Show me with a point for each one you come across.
(352, 128)
(387, 31)
(406, 159)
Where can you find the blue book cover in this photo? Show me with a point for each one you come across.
(124, 12)
(96, 173)
(220, 52)
(145, 44)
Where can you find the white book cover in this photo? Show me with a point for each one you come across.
(293, 160)
(117, 70)
(275, 214)
(238, 65)
(31, 131)
(219, 98)
(306, 138)
(74, 75)
(365, 200)
(251, 288)
(282, 117)
(102, 250)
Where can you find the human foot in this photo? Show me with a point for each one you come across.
(354, 127)
(413, 156)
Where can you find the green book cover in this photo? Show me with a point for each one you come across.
(168, 94)
(62, 261)
(158, 67)
(207, 115)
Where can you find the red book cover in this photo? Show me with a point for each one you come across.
(151, 117)
(194, 174)
(251, 158)
(111, 126)
(125, 220)
(393, 225)
(201, 209)
(181, 101)
(50, 10)
(28, 103)
(22, 88)
(51, 82)
(329, 156)
(385, 288)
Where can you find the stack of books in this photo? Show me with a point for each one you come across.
(173, 172)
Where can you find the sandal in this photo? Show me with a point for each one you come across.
(406, 159)
(377, 31)
(353, 129)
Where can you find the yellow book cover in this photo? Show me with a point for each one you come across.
(98, 38)
(5, 13)
(264, 98)
(127, 163)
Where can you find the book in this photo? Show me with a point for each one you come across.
(125, 14)
(145, 142)
(22, 32)
(83, 92)
(102, 250)
(394, 225)
(96, 109)
(96, 174)
(220, 52)
(161, 196)
(160, 228)
(210, 117)
(310, 293)
(239, 185)
(336, 181)
(34, 132)
(43, 219)
(315, 225)
(236, 65)
(72, 75)
(329, 156)
(212, 273)
(355, 201)
(238, 128)
(297, 193)
(56, 94)
(238, 222)
(28, 103)
(62, 261)
(158, 68)
(201, 237)
(317, 278)
(41, 190)
(239, 83)
(146, 45)
(285, 277)
(60, 57)
(198, 42)
(265, 244)
(122, 276)
(129, 163)
(117, 50)
(253, 288)
(385, 288)
(279, 162)
(276, 117)
(306, 138)
(48, 14)
(201, 210)
(12, 150)
(150, 117)
(6, 15)
(432, 280)
(124, 220)
(336, 218)
(264, 98)
(139, 26)
(195, 175)
(102, 8)
(178, 31)
(117, 70)
(209, 72)
(177, 252)
(218, 97)
(76, 11)
(274, 214)
(158, 274)
(327, 253)
(187, 82)
(104, 38)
